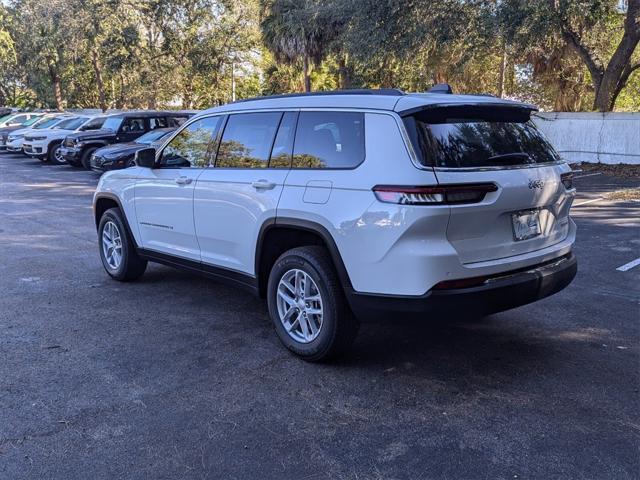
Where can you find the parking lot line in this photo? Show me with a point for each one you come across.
(588, 175)
(629, 266)
(588, 201)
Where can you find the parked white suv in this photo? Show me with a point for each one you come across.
(337, 206)
(45, 144)
(15, 139)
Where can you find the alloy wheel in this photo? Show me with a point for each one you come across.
(299, 305)
(112, 245)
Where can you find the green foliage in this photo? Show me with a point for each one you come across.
(560, 54)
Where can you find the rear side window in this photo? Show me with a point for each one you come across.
(177, 121)
(157, 122)
(472, 137)
(283, 145)
(329, 140)
(247, 140)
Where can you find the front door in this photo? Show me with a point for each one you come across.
(164, 195)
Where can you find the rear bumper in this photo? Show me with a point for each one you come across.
(500, 292)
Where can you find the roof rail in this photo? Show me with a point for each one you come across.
(441, 88)
(394, 92)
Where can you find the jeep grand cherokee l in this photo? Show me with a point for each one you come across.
(336, 206)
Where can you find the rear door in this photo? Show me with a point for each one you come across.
(131, 128)
(529, 209)
(233, 199)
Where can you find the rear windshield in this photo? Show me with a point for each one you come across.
(467, 137)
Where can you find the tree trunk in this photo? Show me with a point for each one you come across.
(503, 71)
(343, 72)
(97, 68)
(610, 79)
(57, 88)
(307, 74)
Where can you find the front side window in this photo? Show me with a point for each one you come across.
(94, 124)
(113, 123)
(476, 137)
(329, 140)
(247, 140)
(192, 146)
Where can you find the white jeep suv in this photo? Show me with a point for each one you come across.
(46, 144)
(339, 205)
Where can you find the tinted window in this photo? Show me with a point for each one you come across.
(157, 122)
(247, 140)
(192, 146)
(132, 125)
(329, 140)
(283, 145)
(477, 137)
(177, 121)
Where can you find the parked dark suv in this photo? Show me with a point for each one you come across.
(118, 128)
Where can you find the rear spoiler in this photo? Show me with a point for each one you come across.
(468, 108)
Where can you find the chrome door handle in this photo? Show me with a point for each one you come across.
(263, 185)
(183, 180)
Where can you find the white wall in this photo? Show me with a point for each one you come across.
(593, 137)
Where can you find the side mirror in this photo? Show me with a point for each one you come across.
(145, 157)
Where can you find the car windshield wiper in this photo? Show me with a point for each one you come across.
(510, 156)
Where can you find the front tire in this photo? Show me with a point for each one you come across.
(117, 250)
(54, 155)
(85, 160)
(307, 305)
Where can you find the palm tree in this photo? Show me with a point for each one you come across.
(298, 30)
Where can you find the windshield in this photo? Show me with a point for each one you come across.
(4, 117)
(71, 124)
(112, 123)
(46, 123)
(152, 136)
(463, 137)
(31, 121)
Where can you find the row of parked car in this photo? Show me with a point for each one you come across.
(94, 142)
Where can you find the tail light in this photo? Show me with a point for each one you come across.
(567, 180)
(436, 195)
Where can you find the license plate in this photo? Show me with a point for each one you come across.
(526, 225)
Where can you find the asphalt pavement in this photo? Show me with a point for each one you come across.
(176, 376)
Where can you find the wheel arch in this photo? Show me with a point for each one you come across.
(105, 201)
(276, 236)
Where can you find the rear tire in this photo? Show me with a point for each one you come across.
(303, 282)
(85, 160)
(117, 250)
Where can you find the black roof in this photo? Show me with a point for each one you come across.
(151, 113)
